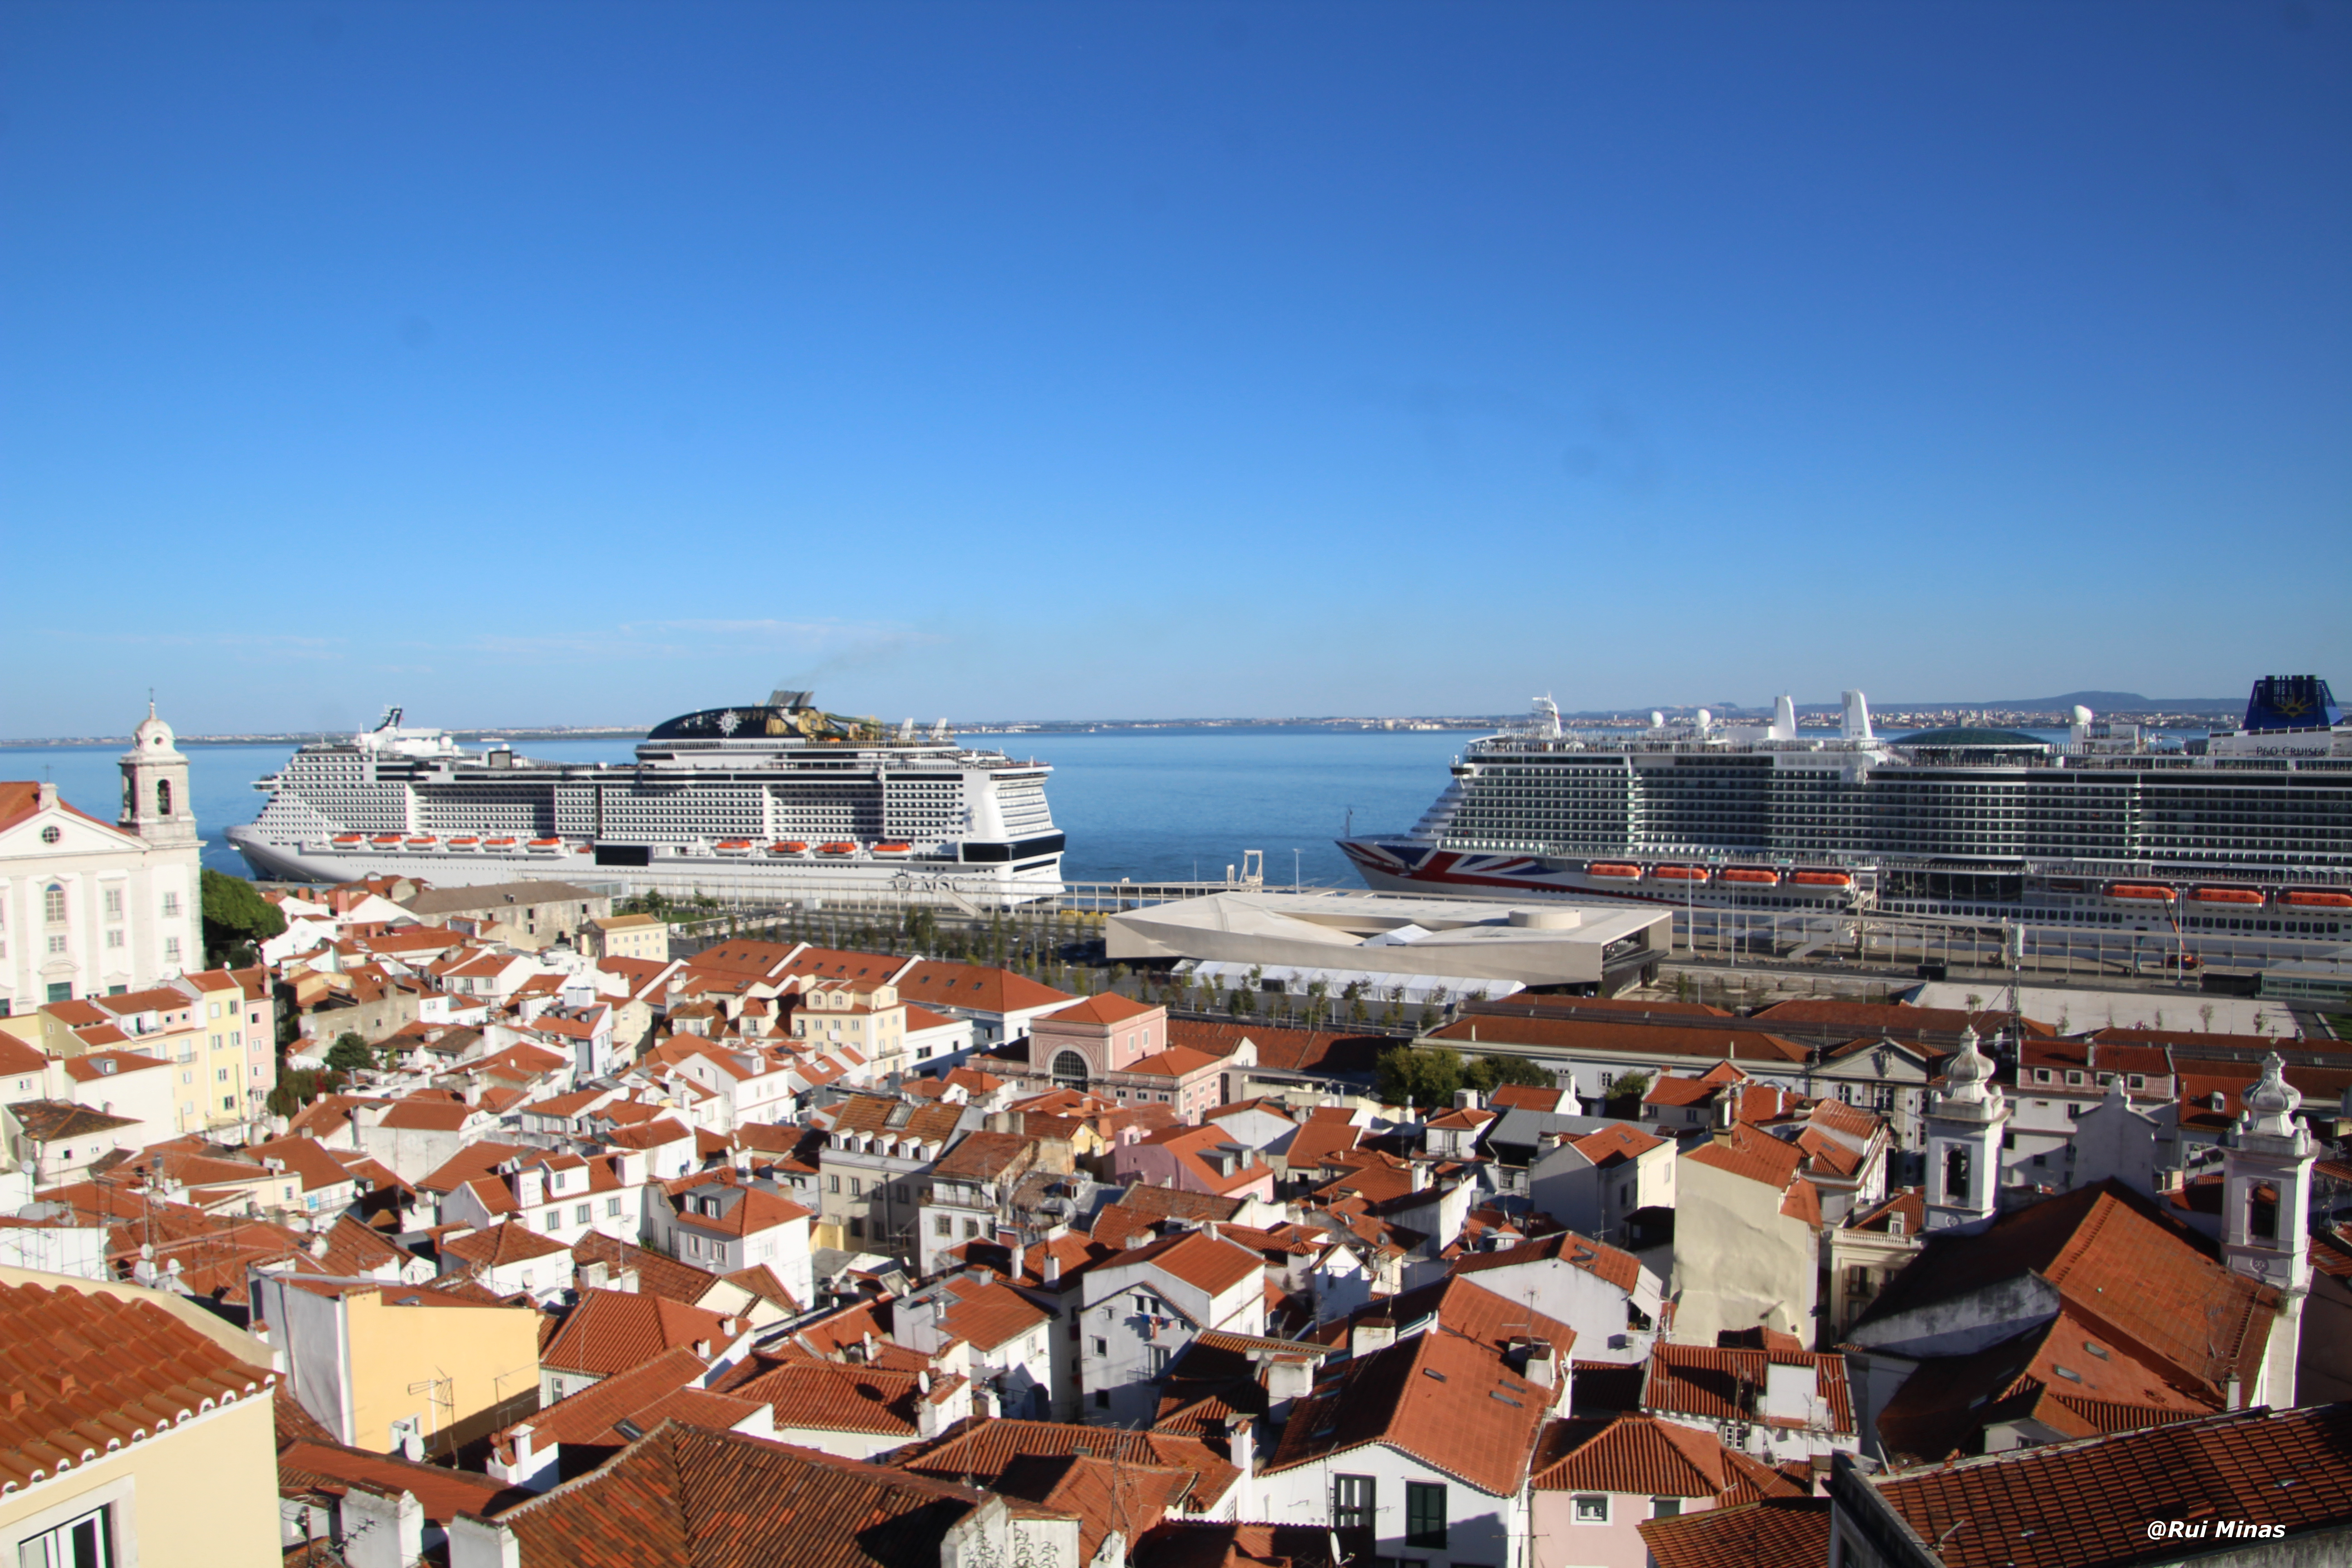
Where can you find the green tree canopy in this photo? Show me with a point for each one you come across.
(1487, 1074)
(237, 919)
(1427, 1075)
(349, 1053)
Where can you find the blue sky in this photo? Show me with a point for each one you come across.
(581, 363)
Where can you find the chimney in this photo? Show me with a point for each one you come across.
(1542, 1369)
(702, 1349)
(2233, 1395)
(1053, 1268)
(1373, 1333)
(1468, 1099)
(593, 1275)
(46, 799)
(1241, 1445)
(1014, 1250)
(1420, 1177)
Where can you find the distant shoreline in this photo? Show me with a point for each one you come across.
(2182, 713)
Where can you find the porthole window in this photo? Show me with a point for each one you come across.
(50, 835)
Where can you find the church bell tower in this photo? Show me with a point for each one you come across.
(156, 803)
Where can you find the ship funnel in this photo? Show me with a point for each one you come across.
(1784, 718)
(1858, 718)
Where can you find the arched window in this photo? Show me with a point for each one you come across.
(53, 903)
(1069, 1070)
(163, 797)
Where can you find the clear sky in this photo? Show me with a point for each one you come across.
(581, 363)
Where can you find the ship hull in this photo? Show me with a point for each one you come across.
(735, 878)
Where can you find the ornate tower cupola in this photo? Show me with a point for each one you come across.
(156, 803)
(1965, 1122)
(2266, 1168)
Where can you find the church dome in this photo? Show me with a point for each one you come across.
(2273, 1099)
(153, 738)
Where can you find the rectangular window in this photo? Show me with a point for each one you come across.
(857, 1187)
(1425, 1514)
(834, 1184)
(1352, 1502)
(1666, 1507)
(114, 903)
(57, 945)
(84, 1542)
(580, 1214)
(554, 1219)
(971, 1229)
(1102, 1346)
(1155, 1360)
(902, 1191)
(1593, 1509)
(171, 950)
(857, 1228)
(113, 938)
(171, 906)
(943, 1226)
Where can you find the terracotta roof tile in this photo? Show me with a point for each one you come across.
(1716, 1383)
(87, 1371)
(1446, 1401)
(1640, 1455)
(1791, 1531)
(610, 1331)
(984, 1450)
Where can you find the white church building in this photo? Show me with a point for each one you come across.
(89, 908)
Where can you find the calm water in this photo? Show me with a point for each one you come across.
(1139, 804)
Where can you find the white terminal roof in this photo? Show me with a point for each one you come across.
(1461, 940)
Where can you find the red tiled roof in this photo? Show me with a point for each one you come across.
(309, 1465)
(1449, 1403)
(500, 1244)
(1639, 1039)
(1793, 1530)
(1892, 1018)
(21, 798)
(976, 988)
(984, 1450)
(657, 1275)
(830, 1395)
(1745, 1151)
(1707, 1381)
(752, 1502)
(1643, 1456)
(86, 1371)
(1615, 1264)
(612, 1331)
(2073, 1505)
(1284, 1051)
(588, 1415)
(1198, 1261)
(1109, 1008)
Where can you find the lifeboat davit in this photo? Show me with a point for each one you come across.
(1678, 873)
(789, 846)
(2226, 896)
(2140, 892)
(2317, 898)
(894, 847)
(1752, 877)
(836, 849)
(1821, 878)
(1614, 871)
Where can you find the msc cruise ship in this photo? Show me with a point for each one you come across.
(764, 800)
(2249, 830)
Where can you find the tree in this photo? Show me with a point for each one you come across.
(1487, 1074)
(349, 1053)
(1627, 1093)
(237, 919)
(1426, 1076)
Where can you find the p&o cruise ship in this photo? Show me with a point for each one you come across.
(775, 799)
(2246, 831)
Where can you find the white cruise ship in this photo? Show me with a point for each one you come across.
(763, 801)
(2248, 831)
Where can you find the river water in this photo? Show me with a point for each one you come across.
(1141, 804)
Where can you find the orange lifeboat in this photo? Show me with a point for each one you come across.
(1822, 878)
(2317, 898)
(836, 849)
(789, 846)
(2226, 896)
(894, 847)
(2140, 892)
(350, 838)
(468, 842)
(544, 846)
(387, 840)
(1752, 877)
(1613, 870)
(423, 841)
(734, 847)
(498, 843)
(1678, 873)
